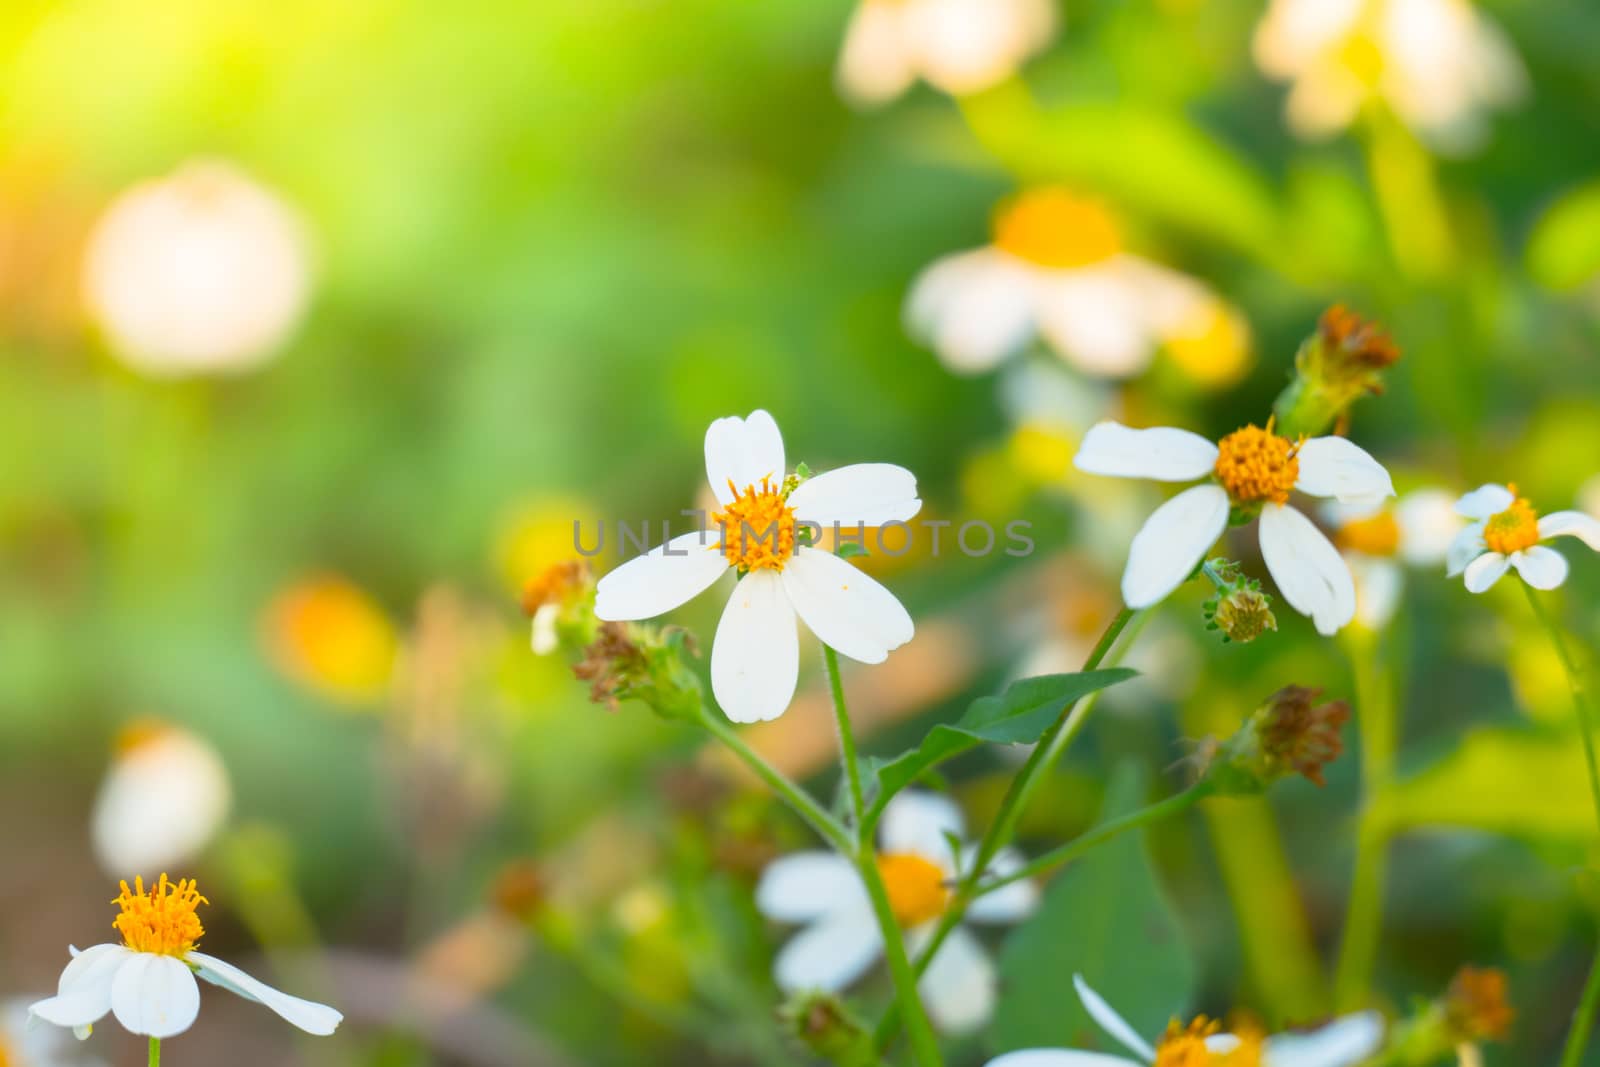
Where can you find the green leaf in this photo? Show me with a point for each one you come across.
(1018, 716)
(1108, 919)
(850, 550)
(1518, 781)
(1562, 251)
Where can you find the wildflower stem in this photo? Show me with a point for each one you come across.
(1583, 1018)
(1041, 761)
(155, 1052)
(1099, 835)
(797, 798)
(847, 740)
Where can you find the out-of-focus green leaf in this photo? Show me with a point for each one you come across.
(1106, 918)
(1510, 781)
(1564, 250)
(1017, 716)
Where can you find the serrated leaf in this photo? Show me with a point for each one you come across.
(1017, 716)
(1108, 919)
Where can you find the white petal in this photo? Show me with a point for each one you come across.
(1485, 502)
(921, 822)
(974, 308)
(743, 451)
(805, 885)
(875, 63)
(1428, 526)
(1585, 528)
(1010, 903)
(847, 608)
(1484, 571)
(1378, 586)
(960, 985)
(1310, 573)
(1336, 467)
(1058, 1057)
(155, 995)
(1467, 546)
(1172, 542)
(1112, 1023)
(1161, 453)
(83, 994)
(864, 494)
(830, 953)
(1341, 1043)
(160, 804)
(308, 1015)
(661, 579)
(755, 659)
(1540, 567)
(1097, 320)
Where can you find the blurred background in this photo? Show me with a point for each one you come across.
(321, 323)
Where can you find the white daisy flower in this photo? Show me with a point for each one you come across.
(1251, 471)
(163, 798)
(204, 271)
(957, 46)
(1416, 530)
(841, 939)
(22, 1045)
(148, 981)
(1506, 533)
(1341, 1043)
(755, 658)
(1438, 63)
(1056, 269)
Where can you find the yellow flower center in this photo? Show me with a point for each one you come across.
(1375, 535)
(758, 527)
(1185, 1046)
(162, 920)
(1513, 529)
(1254, 465)
(1053, 228)
(1363, 57)
(916, 887)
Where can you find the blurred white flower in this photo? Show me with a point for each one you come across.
(203, 271)
(164, 796)
(958, 46)
(148, 981)
(1506, 533)
(1341, 1043)
(1251, 470)
(1438, 63)
(1056, 269)
(22, 1045)
(755, 658)
(841, 940)
(1415, 530)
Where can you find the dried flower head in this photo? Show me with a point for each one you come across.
(627, 661)
(1477, 1005)
(1299, 735)
(520, 890)
(1342, 361)
(1357, 339)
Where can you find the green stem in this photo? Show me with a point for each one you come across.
(797, 798)
(155, 1052)
(1583, 1018)
(847, 741)
(1099, 835)
(1379, 736)
(924, 1045)
(1041, 761)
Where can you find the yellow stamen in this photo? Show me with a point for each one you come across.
(162, 920)
(916, 887)
(1185, 1046)
(1052, 228)
(758, 527)
(1254, 465)
(1513, 529)
(1375, 535)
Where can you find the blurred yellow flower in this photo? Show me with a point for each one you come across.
(1438, 64)
(535, 535)
(958, 46)
(203, 271)
(330, 636)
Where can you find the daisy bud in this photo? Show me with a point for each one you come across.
(822, 1023)
(1336, 366)
(1240, 611)
(560, 601)
(1289, 734)
(629, 662)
